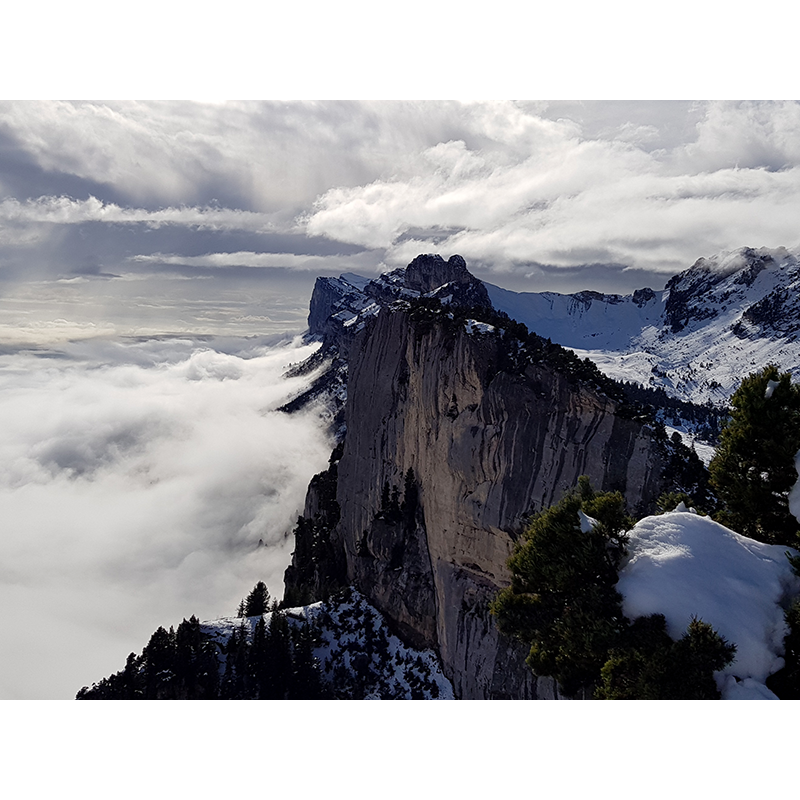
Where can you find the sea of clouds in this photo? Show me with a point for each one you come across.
(137, 477)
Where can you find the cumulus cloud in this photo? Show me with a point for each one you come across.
(135, 485)
(547, 194)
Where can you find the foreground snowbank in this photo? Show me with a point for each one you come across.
(683, 565)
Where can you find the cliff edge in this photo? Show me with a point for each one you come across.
(459, 425)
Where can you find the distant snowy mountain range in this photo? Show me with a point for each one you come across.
(714, 323)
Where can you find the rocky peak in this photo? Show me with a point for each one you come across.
(428, 272)
(725, 281)
(642, 296)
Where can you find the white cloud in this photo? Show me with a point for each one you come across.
(246, 258)
(649, 186)
(266, 156)
(745, 135)
(135, 485)
(563, 200)
(67, 211)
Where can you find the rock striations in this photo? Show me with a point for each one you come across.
(449, 446)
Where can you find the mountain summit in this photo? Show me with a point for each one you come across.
(455, 424)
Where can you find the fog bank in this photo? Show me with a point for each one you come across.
(136, 480)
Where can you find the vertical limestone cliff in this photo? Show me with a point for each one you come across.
(446, 453)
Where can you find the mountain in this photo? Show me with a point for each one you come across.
(455, 424)
(724, 317)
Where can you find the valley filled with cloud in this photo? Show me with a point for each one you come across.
(138, 478)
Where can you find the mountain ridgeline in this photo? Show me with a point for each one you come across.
(455, 424)
(724, 317)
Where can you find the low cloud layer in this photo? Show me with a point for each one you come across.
(136, 483)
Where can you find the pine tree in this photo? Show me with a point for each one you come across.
(306, 679)
(258, 660)
(159, 657)
(257, 601)
(562, 601)
(410, 497)
(236, 680)
(196, 664)
(754, 467)
(279, 656)
(648, 665)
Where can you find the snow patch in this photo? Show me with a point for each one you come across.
(587, 522)
(473, 326)
(359, 281)
(683, 565)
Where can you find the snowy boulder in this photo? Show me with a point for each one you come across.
(473, 326)
(587, 523)
(683, 565)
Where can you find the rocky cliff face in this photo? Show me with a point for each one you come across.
(485, 448)
(445, 455)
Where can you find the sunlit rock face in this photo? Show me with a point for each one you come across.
(485, 449)
(444, 458)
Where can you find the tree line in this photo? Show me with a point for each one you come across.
(276, 662)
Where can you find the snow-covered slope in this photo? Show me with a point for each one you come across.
(683, 565)
(358, 655)
(726, 316)
(586, 320)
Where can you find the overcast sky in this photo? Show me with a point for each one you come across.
(211, 217)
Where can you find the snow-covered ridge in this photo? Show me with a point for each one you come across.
(723, 318)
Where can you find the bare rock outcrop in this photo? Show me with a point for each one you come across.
(445, 456)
